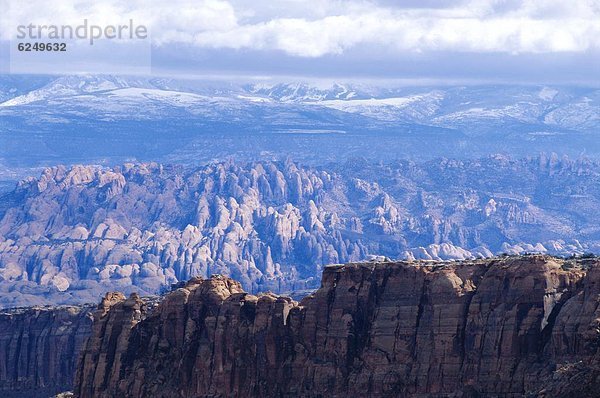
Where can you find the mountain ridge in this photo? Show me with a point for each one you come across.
(74, 233)
(535, 100)
(111, 120)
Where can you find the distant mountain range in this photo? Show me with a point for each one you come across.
(74, 233)
(48, 120)
(555, 108)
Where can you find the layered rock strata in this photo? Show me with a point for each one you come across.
(506, 327)
(39, 347)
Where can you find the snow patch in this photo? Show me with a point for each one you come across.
(547, 93)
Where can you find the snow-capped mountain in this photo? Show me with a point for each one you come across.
(109, 119)
(452, 107)
(304, 92)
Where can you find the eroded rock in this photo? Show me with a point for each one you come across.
(500, 327)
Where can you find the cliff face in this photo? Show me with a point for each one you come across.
(39, 349)
(501, 327)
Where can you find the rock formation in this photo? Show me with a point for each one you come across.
(74, 234)
(39, 347)
(505, 327)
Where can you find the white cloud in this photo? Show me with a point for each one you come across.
(321, 27)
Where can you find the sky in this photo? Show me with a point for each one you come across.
(491, 40)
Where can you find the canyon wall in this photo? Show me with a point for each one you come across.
(505, 327)
(39, 347)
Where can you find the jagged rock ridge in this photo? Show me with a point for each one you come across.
(503, 327)
(75, 233)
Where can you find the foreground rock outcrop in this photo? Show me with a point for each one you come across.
(503, 327)
(39, 347)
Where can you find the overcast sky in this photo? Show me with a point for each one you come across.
(543, 40)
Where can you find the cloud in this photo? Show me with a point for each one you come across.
(324, 27)
(335, 34)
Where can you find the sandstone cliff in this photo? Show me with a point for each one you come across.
(503, 327)
(39, 349)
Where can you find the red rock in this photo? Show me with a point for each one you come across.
(39, 348)
(490, 327)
